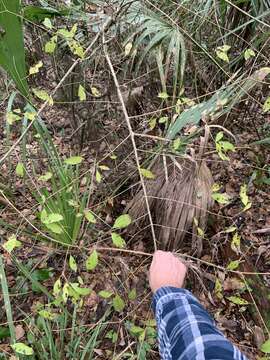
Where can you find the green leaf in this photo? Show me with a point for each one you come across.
(177, 144)
(265, 348)
(11, 243)
(222, 51)
(90, 216)
(118, 241)
(48, 315)
(122, 221)
(244, 197)
(219, 136)
(136, 330)
(43, 95)
(237, 300)
(95, 92)
(72, 263)
(128, 48)
(79, 290)
(248, 54)
(105, 294)
(20, 170)
(266, 106)
(35, 69)
(81, 93)
(50, 46)
(163, 120)
(221, 198)
(55, 228)
(47, 23)
(163, 95)
(76, 48)
(74, 160)
(92, 261)
(118, 303)
(12, 49)
(132, 294)
(218, 289)
(152, 123)
(147, 173)
(98, 176)
(22, 349)
(233, 265)
(235, 243)
(47, 176)
(52, 218)
(12, 118)
(57, 287)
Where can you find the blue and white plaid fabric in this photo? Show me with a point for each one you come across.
(186, 331)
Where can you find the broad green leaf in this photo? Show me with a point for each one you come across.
(80, 290)
(235, 243)
(55, 228)
(219, 136)
(105, 294)
(72, 263)
(47, 176)
(104, 167)
(52, 218)
(218, 289)
(221, 198)
(81, 93)
(122, 221)
(73, 160)
(136, 330)
(20, 170)
(95, 92)
(11, 243)
(35, 69)
(216, 187)
(50, 46)
(152, 123)
(22, 349)
(118, 303)
(30, 115)
(90, 216)
(266, 106)
(163, 95)
(233, 265)
(163, 120)
(248, 54)
(118, 241)
(43, 95)
(57, 287)
(230, 229)
(147, 173)
(128, 48)
(92, 261)
(237, 300)
(12, 49)
(98, 176)
(244, 197)
(47, 314)
(76, 48)
(132, 294)
(12, 117)
(177, 144)
(265, 348)
(227, 146)
(222, 52)
(47, 23)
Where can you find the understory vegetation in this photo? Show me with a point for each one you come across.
(130, 126)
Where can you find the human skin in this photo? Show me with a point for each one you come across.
(166, 270)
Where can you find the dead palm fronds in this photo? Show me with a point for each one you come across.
(179, 198)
